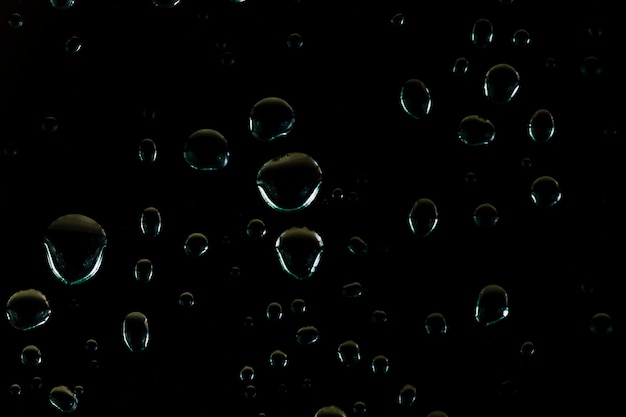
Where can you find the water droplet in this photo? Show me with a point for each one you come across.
(438, 413)
(196, 245)
(186, 299)
(551, 63)
(482, 33)
(541, 126)
(166, 4)
(147, 151)
(50, 124)
(94, 364)
(380, 365)
(150, 222)
(248, 322)
(521, 38)
(73, 45)
(415, 99)
(407, 395)
(249, 392)
(337, 194)
(527, 349)
(28, 309)
(591, 67)
(492, 305)
(289, 182)
(460, 67)
(91, 345)
(398, 20)
(601, 324)
(352, 290)
(359, 408)
(235, 272)
(307, 335)
(16, 20)
(135, 331)
(476, 131)
(349, 353)
(470, 178)
(545, 192)
(501, 83)
(423, 217)
(379, 317)
(63, 399)
(256, 229)
(357, 246)
(298, 306)
(299, 251)
(62, 4)
(271, 118)
(144, 271)
(228, 59)
(486, 216)
(30, 356)
(278, 359)
(330, 411)
(36, 383)
(247, 374)
(206, 150)
(15, 390)
(79, 390)
(294, 41)
(274, 311)
(436, 324)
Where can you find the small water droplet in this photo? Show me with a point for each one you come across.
(228, 59)
(486, 216)
(601, 324)
(235, 272)
(147, 151)
(274, 311)
(79, 390)
(186, 299)
(436, 324)
(144, 270)
(50, 124)
(15, 390)
(591, 67)
(337, 194)
(482, 33)
(248, 322)
(150, 222)
(30, 356)
(501, 83)
(415, 99)
(36, 383)
(330, 411)
(379, 317)
(278, 359)
(521, 38)
(526, 163)
(206, 150)
(256, 229)
(28, 309)
(73, 45)
(298, 306)
(247, 374)
(16, 20)
(307, 335)
(196, 245)
(299, 251)
(423, 217)
(541, 126)
(62, 4)
(352, 290)
(359, 408)
(492, 305)
(166, 4)
(357, 246)
(349, 353)
(527, 349)
(398, 20)
(545, 192)
(407, 395)
(476, 131)
(63, 399)
(461, 66)
(470, 178)
(294, 41)
(271, 118)
(135, 331)
(91, 345)
(289, 182)
(380, 365)
(551, 63)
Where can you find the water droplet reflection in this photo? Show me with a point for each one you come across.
(415, 99)
(482, 33)
(349, 353)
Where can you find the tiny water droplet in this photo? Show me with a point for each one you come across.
(541, 126)
(357, 246)
(299, 251)
(398, 20)
(521, 38)
(50, 124)
(601, 324)
(482, 33)
(337, 193)
(423, 217)
(415, 99)
(73, 45)
(330, 411)
(436, 324)
(28, 309)
(256, 229)
(228, 59)
(545, 192)
(359, 408)
(196, 245)
(461, 66)
(591, 67)
(294, 41)
(289, 182)
(247, 374)
(166, 4)
(492, 305)
(407, 395)
(144, 270)
(501, 83)
(147, 151)
(63, 399)
(248, 322)
(79, 390)
(470, 178)
(486, 216)
(271, 118)
(307, 335)
(278, 359)
(186, 299)
(527, 349)
(150, 222)
(16, 20)
(379, 317)
(135, 331)
(235, 272)
(274, 311)
(206, 150)
(551, 63)
(380, 364)
(298, 306)
(36, 383)
(352, 290)
(349, 353)
(30, 356)
(91, 345)
(62, 4)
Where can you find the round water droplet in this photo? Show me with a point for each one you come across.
(278, 359)
(235, 272)
(521, 38)
(591, 67)
(150, 222)
(294, 41)
(62, 4)
(460, 67)
(492, 305)
(206, 150)
(380, 365)
(482, 33)
(407, 395)
(526, 163)
(545, 192)
(30, 356)
(74, 246)
(330, 411)
(379, 317)
(274, 311)
(398, 20)
(476, 131)
(50, 124)
(147, 151)
(551, 63)
(601, 324)
(357, 246)
(73, 45)
(299, 251)
(337, 194)
(135, 331)
(196, 245)
(166, 4)
(247, 374)
(486, 216)
(359, 408)
(36, 383)
(249, 392)
(436, 324)
(144, 270)
(415, 99)
(63, 399)
(423, 217)
(349, 353)
(256, 229)
(271, 118)
(79, 390)
(28, 309)
(228, 59)
(248, 322)
(15, 390)
(527, 349)
(16, 20)
(289, 182)
(307, 335)
(352, 290)
(186, 299)
(298, 306)
(501, 83)
(91, 345)
(541, 126)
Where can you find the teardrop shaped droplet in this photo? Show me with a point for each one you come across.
(30, 356)
(349, 353)
(135, 331)
(486, 216)
(150, 222)
(436, 324)
(545, 192)
(407, 395)
(380, 365)
(476, 131)
(196, 245)
(28, 309)
(271, 118)
(330, 411)
(147, 151)
(289, 182)
(307, 335)
(501, 83)
(206, 150)
(492, 305)
(63, 399)
(423, 217)
(541, 126)
(74, 246)
(482, 33)
(144, 271)
(278, 359)
(299, 251)
(415, 99)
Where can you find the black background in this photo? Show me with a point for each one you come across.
(560, 266)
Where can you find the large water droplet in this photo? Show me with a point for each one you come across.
(423, 217)
(30, 356)
(349, 353)
(436, 324)
(545, 191)
(501, 83)
(74, 246)
(307, 335)
(150, 222)
(63, 399)
(541, 126)
(476, 131)
(380, 364)
(492, 305)
(299, 251)
(144, 271)
(206, 150)
(278, 359)
(407, 395)
(486, 216)
(147, 151)
(271, 118)
(135, 331)
(482, 33)
(62, 4)
(289, 182)
(196, 245)
(415, 99)
(28, 309)
(330, 411)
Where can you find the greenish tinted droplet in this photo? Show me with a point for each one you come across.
(407, 395)
(62, 4)
(591, 67)
(30, 356)
(357, 246)
(271, 118)
(186, 299)
(527, 349)
(16, 21)
(380, 365)
(482, 33)
(63, 399)
(486, 216)
(28, 309)
(166, 4)
(143, 271)
(196, 245)
(423, 217)
(299, 251)
(298, 306)
(415, 99)
(436, 324)
(278, 359)
(349, 353)
(545, 192)
(492, 305)
(461, 66)
(247, 374)
(541, 126)
(135, 331)
(49, 124)
(476, 131)
(256, 229)
(274, 311)
(147, 151)
(150, 222)
(294, 41)
(73, 45)
(601, 324)
(501, 83)
(307, 335)
(206, 150)
(359, 408)
(521, 38)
